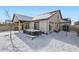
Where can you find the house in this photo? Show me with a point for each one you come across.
(76, 24)
(47, 22)
(20, 22)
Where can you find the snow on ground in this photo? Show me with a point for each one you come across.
(59, 42)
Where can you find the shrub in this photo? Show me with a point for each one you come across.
(75, 28)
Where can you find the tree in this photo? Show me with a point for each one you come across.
(7, 15)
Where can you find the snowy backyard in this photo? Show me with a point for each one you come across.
(52, 42)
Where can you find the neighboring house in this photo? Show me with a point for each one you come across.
(47, 22)
(76, 24)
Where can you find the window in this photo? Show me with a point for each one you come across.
(27, 25)
(51, 22)
(36, 25)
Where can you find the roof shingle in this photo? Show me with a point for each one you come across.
(23, 17)
(45, 15)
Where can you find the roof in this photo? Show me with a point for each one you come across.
(45, 15)
(65, 20)
(23, 17)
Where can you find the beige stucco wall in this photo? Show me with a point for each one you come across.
(55, 19)
(31, 25)
(43, 25)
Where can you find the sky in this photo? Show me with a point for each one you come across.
(71, 12)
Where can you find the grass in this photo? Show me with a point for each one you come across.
(4, 27)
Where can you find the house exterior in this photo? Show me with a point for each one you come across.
(20, 22)
(47, 22)
(65, 24)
